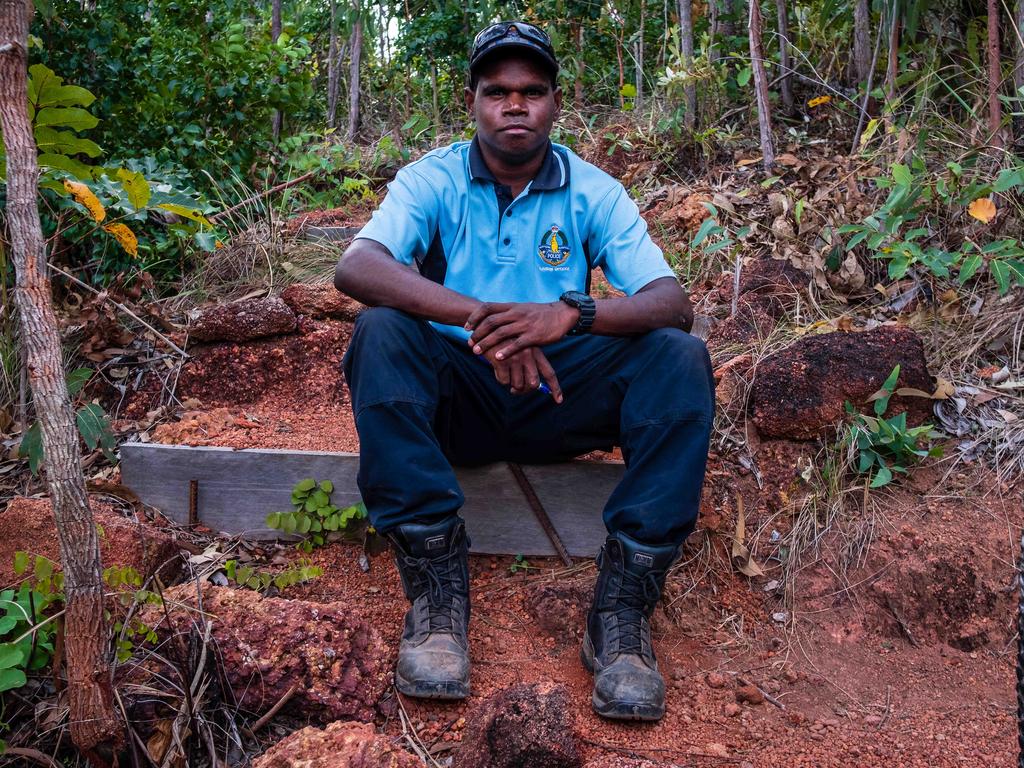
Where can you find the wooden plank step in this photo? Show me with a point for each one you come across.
(237, 489)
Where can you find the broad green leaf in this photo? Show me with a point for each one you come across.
(193, 214)
(1007, 179)
(10, 655)
(43, 569)
(327, 486)
(136, 186)
(45, 89)
(882, 477)
(51, 141)
(901, 175)
(75, 118)
(1001, 274)
(320, 498)
(715, 247)
(31, 447)
(705, 229)
(11, 679)
(206, 240)
(7, 623)
(77, 379)
(306, 485)
(274, 520)
(20, 562)
(93, 424)
(77, 169)
(743, 76)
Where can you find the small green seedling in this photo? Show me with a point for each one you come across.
(885, 446)
(520, 563)
(260, 581)
(314, 517)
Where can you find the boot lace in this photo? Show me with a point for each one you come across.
(637, 597)
(440, 575)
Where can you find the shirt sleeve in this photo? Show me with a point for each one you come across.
(406, 220)
(621, 245)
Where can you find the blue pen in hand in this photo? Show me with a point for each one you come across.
(542, 387)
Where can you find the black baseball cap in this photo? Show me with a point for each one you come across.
(509, 35)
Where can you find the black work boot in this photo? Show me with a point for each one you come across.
(433, 657)
(617, 645)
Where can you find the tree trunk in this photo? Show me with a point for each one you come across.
(577, 90)
(713, 30)
(764, 118)
(639, 102)
(94, 724)
(726, 19)
(618, 57)
(275, 32)
(355, 54)
(1018, 69)
(332, 69)
(434, 97)
(785, 60)
(995, 108)
(894, 51)
(861, 40)
(686, 46)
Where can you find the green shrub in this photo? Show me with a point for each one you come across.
(884, 446)
(313, 516)
(907, 232)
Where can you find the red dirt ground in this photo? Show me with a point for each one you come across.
(905, 661)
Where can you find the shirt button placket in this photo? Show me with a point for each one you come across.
(507, 236)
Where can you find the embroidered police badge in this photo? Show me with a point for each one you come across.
(554, 247)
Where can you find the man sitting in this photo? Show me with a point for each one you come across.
(482, 346)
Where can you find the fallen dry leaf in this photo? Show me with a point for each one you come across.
(983, 209)
(741, 557)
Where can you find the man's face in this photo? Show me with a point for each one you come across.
(514, 106)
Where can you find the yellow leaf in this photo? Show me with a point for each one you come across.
(85, 197)
(817, 101)
(983, 209)
(125, 237)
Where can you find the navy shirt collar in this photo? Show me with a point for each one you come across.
(553, 173)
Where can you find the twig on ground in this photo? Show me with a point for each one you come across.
(34, 755)
(123, 308)
(767, 696)
(641, 753)
(266, 718)
(411, 737)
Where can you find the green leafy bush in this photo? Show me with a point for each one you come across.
(906, 231)
(250, 578)
(314, 517)
(884, 446)
(92, 421)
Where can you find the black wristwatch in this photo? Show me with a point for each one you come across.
(585, 304)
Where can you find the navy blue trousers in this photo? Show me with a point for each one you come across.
(424, 402)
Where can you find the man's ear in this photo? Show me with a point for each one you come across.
(470, 96)
(558, 100)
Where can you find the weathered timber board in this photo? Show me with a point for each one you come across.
(238, 488)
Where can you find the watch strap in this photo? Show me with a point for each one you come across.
(587, 308)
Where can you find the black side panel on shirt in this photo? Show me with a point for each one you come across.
(590, 266)
(434, 264)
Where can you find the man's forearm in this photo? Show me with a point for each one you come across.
(660, 304)
(368, 273)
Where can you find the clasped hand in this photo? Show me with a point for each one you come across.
(509, 337)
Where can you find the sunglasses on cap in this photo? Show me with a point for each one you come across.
(503, 28)
(512, 34)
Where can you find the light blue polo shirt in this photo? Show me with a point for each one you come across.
(448, 215)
